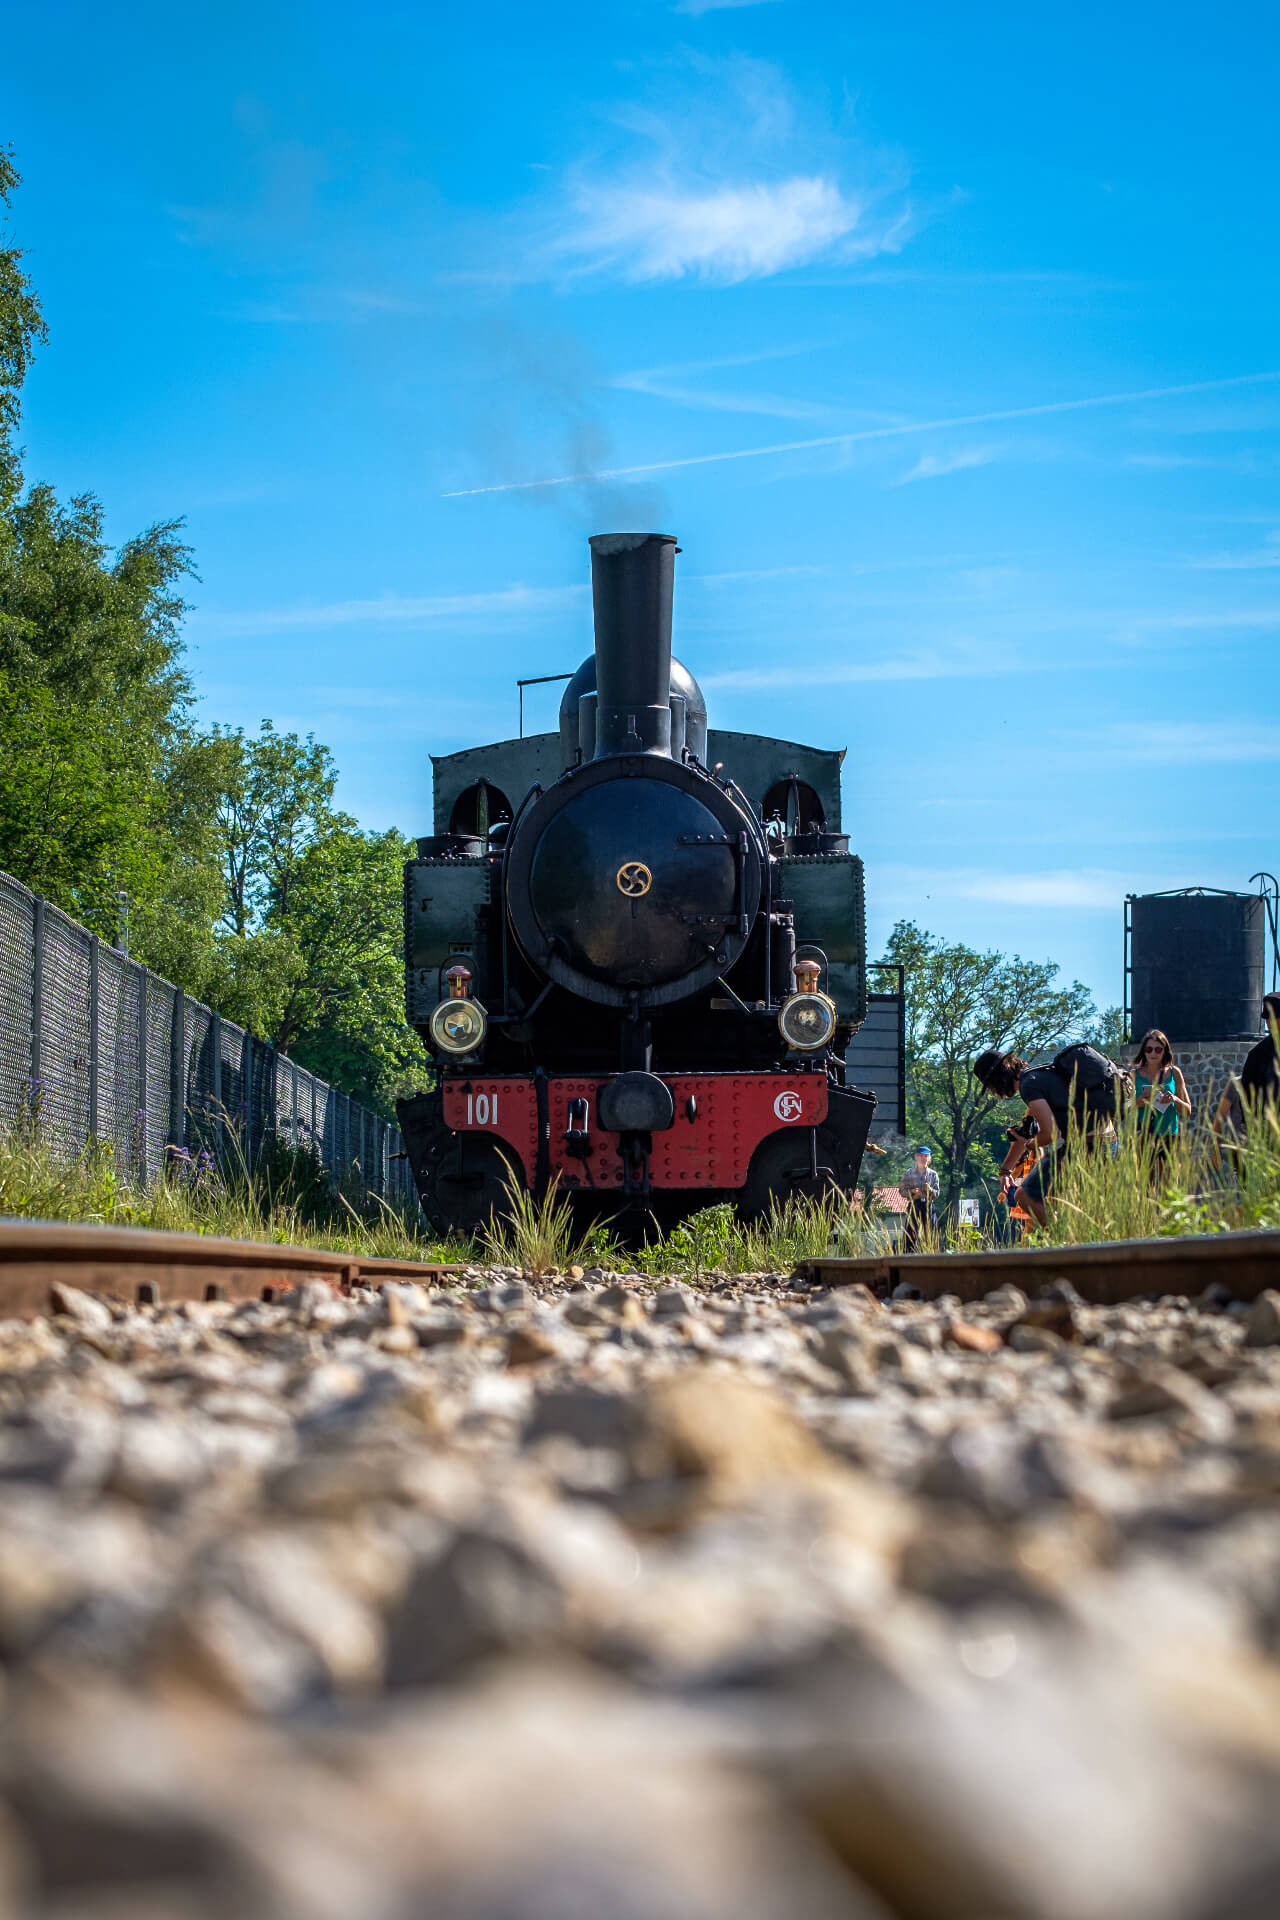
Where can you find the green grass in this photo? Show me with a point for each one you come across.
(716, 1241)
(288, 1200)
(1129, 1194)
(538, 1237)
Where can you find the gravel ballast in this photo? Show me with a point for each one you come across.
(612, 1598)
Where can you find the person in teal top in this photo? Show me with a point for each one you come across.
(1162, 1092)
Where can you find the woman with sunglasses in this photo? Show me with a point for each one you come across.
(1162, 1092)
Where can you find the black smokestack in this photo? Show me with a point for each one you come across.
(632, 584)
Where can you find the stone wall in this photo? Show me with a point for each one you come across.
(1207, 1065)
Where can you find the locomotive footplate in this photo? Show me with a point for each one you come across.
(718, 1122)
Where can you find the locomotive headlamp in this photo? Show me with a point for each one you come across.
(458, 1025)
(807, 1021)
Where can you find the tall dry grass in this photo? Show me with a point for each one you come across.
(537, 1236)
(1123, 1191)
(288, 1199)
(1132, 1189)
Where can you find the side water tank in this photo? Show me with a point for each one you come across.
(1197, 963)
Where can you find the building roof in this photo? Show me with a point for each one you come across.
(888, 1200)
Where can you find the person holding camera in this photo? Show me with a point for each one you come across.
(1162, 1097)
(1018, 1162)
(1078, 1088)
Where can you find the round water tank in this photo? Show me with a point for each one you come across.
(1197, 963)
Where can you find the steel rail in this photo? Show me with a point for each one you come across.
(136, 1265)
(140, 1266)
(1105, 1273)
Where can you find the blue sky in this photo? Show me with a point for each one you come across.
(945, 339)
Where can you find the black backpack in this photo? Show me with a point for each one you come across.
(1092, 1079)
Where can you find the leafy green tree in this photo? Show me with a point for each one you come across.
(98, 786)
(275, 802)
(310, 944)
(270, 804)
(21, 328)
(1110, 1035)
(960, 1002)
(244, 885)
(92, 708)
(344, 1017)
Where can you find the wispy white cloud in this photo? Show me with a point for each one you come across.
(1267, 555)
(891, 432)
(391, 610)
(1177, 462)
(268, 313)
(932, 466)
(683, 385)
(713, 6)
(742, 230)
(1205, 620)
(1163, 743)
(658, 383)
(737, 574)
(1198, 742)
(1068, 887)
(953, 663)
(727, 177)
(1242, 517)
(1081, 889)
(407, 610)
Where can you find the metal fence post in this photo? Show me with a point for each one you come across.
(37, 1002)
(140, 1116)
(215, 1036)
(349, 1140)
(94, 944)
(246, 1098)
(178, 1073)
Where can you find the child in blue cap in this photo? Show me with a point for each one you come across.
(919, 1187)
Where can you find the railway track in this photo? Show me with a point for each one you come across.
(1104, 1274)
(139, 1266)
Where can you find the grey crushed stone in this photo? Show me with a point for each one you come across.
(614, 1596)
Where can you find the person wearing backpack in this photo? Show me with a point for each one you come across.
(1077, 1092)
(1260, 1075)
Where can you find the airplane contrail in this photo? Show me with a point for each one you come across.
(872, 433)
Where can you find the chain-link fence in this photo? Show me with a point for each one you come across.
(100, 1048)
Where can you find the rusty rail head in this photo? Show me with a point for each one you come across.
(1106, 1273)
(140, 1266)
(137, 1265)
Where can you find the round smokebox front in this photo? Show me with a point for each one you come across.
(629, 885)
(632, 882)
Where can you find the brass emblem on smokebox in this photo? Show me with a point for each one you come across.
(634, 878)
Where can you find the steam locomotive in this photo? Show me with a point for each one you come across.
(635, 949)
